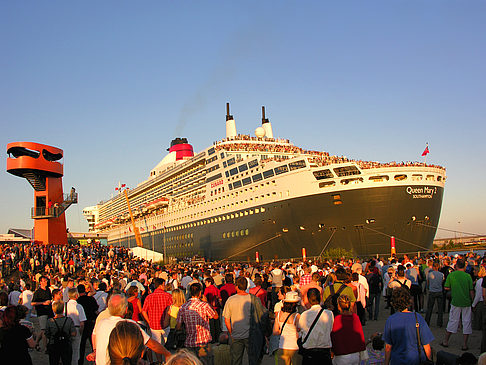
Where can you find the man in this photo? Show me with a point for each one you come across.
(75, 311)
(318, 343)
(307, 277)
(186, 279)
(117, 306)
(195, 314)
(173, 282)
(462, 293)
(238, 316)
(258, 291)
(313, 284)
(90, 309)
(227, 289)
(69, 285)
(101, 297)
(277, 277)
(135, 282)
(341, 276)
(155, 306)
(483, 314)
(41, 300)
(434, 283)
(222, 352)
(413, 274)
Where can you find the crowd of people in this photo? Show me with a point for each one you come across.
(102, 304)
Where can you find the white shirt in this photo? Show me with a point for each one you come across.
(100, 297)
(185, 281)
(320, 337)
(65, 296)
(13, 297)
(362, 280)
(478, 297)
(102, 332)
(27, 298)
(76, 312)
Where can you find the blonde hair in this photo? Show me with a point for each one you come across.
(344, 302)
(183, 357)
(58, 307)
(126, 345)
(178, 297)
(482, 272)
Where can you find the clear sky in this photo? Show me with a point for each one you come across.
(112, 82)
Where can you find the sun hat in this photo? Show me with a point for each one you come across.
(292, 297)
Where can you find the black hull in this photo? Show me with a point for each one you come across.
(361, 220)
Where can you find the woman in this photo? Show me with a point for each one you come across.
(479, 310)
(401, 333)
(375, 284)
(347, 334)
(175, 338)
(126, 346)
(281, 296)
(390, 273)
(213, 297)
(132, 294)
(286, 326)
(57, 348)
(15, 339)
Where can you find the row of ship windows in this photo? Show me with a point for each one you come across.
(180, 237)
(180, 245)
(380, 178)
(217, 219)
(232, 234)
(268, 173)
(227, 206)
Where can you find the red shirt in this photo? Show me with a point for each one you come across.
(155, 305)
(136, 312)
(195, 314)
(260, 293)
(213, 296)
(226, 291)
(347, 335)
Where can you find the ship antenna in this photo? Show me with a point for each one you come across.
(228, 115)
(264, 120)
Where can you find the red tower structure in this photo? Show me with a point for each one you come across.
(40, 165)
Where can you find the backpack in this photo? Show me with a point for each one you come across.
(331, 301)
(61, 339)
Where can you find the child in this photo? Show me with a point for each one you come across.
(377, 350)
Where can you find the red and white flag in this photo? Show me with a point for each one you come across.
(120, 187)
(426, 151)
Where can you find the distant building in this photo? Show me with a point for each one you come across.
(464, 240)
(92, 215)
(16, 235)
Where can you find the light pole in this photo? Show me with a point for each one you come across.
(165, 253)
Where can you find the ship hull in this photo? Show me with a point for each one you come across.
(361, 220)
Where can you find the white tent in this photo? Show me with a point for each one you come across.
(147, 254)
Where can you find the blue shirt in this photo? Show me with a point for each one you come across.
(401, 334)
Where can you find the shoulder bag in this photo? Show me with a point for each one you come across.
(427, 361)
(300, 341)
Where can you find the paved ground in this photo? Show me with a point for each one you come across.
(370, 328)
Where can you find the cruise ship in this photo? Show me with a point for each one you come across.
(259, 196)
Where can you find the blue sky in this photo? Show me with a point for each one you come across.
(112, 82)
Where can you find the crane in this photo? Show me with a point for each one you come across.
(136, 232)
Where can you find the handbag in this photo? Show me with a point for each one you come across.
(275, 339)
(427, 361)
(300, 341)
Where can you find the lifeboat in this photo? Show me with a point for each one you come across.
(158, 203)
